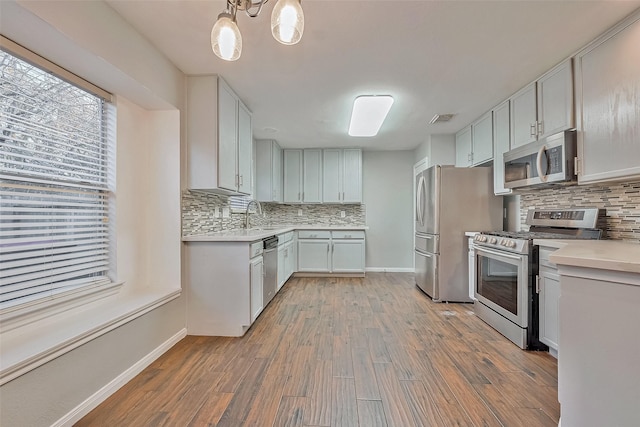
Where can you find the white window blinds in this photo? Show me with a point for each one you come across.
(54, 185)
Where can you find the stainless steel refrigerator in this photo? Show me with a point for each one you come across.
(450, 201)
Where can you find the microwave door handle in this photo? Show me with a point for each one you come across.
(543, 177)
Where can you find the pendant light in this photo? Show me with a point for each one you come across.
(226, 40)
(287, 25)
(287, 21)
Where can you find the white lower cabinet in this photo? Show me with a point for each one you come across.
(223, 287)
(257, 280)
(548, 300)
(281, 273)
(314, 251)
(331, 251)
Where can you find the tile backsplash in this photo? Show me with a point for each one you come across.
(620, 200)
(198, 214)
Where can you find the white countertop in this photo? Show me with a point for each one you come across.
(598, 254)
(470, 233)
(252, 235)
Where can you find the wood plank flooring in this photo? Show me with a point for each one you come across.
(364, 352)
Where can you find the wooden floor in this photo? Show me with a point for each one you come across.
(344, 352)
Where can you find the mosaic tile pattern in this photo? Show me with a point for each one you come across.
(198, 217)
(620, 200)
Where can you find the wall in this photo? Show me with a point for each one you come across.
(198, 214)
(388, 195)
(620, 200)
(91, 40)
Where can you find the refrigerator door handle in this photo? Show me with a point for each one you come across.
(419, 200)
(425, 254)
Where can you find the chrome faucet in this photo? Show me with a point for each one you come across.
(246, 219)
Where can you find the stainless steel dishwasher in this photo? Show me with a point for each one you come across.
(270, 259)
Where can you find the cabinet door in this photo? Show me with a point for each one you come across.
(352, 175)
(245, 149)
(482, 138)
(257, 280)
(555, 100)
(312, 176)
(607, 93)
(501, 144)
(292, 176)
(523, 116)
(288, 268)
(276, 177)
(347, 256)
(313, 255)
(227, 138)
(549, 315)
(282, 262)
(332, 176)
(463, 148)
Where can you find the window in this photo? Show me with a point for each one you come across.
(56, 181)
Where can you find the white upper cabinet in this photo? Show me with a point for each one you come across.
(312, 176)
(608, 105)
(219, 137)
(352, 175)
(543, 107)
(482, 139)
(523, 116)
(292, 176)
(464, 148)
(268, 171)
(332, 175)
(555, 100)
(342, 175)
(501, 144)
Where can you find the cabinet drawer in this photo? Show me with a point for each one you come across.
(314, 234)
(256, 249)
(285, 237)
(543, 257)
(348, 234)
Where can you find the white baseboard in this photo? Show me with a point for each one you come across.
(389, 270)
(101, 395)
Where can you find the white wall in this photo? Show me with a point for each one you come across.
(91, 40)
(387, 194)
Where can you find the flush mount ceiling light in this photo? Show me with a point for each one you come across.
(369, 112)
(287, 25)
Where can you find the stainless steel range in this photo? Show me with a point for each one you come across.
(507, 268)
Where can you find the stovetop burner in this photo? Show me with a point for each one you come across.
(576, 223)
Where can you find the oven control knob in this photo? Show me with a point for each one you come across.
(503, 242)
(511, 244)
(480, 238)
(493, 240)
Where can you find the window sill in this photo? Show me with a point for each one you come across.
(29, 346)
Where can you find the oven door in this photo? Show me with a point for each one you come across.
(502, 281)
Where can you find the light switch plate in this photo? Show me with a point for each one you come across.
(216, 212)
(225, 212)
(299, 212)
(342, 214)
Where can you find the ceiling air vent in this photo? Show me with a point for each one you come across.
(441, 118)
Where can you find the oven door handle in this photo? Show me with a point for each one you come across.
(541, 175)
(500, 254)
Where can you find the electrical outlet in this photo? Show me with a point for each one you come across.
(225, 212)
(299, 212)
(216, 212)
(342, 214)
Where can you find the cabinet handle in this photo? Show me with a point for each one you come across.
(241, 180)
(540, 128)
(343, 196)
(236, 180)
(338, 195)
(532, 129)
(264, 272)
(537, 284)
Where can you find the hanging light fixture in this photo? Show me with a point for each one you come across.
(287, 25)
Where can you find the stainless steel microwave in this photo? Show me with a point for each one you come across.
(549, 160)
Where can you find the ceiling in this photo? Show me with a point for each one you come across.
(433, 57)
